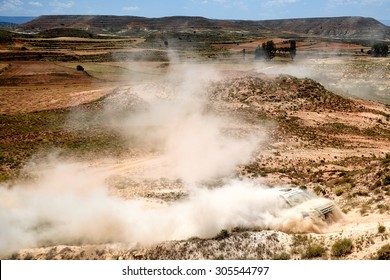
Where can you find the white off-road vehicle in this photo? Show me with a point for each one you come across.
(308, 203)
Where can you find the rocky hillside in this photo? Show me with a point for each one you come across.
(277, 95)
(338, 27)
(5, 37)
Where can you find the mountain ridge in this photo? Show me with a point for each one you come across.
(334, 27)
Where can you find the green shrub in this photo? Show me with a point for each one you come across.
(386, 159)
(384, 252)
(314, 251)
(300, 239)
(194, 239)
(342, 247)
(381, 228)
(338, 191)
(282, 256)
(222, 235)
(380, 49)
(385, 181)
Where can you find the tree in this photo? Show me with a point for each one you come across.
(380, 49)
(259, 52)
(269, 49)
(293, 48)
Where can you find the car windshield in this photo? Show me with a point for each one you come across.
(296, 196)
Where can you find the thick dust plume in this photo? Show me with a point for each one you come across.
(364, 78)
(68, 204)
(172, 116)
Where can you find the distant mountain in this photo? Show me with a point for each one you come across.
(385, 21)
(333, 27)
(7, 23)
(15, 20)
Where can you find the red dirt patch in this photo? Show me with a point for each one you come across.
(34, 86)
(41, 73)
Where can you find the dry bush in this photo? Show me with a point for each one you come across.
(282, 256)
(314, 251)
(222, 235)
(384, 252)
(381, 228)
(342, 247)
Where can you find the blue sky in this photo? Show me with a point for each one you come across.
(221, 9)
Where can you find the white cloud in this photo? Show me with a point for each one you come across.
(35, 4)
(362, 5)
(232, 4)
(131, 8)
(278, 3)
(203, 2)
(227, 4)
(356, 2)
(10, 5)
(61, 6)
(241, 5)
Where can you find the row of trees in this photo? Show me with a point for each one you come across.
(268, 50)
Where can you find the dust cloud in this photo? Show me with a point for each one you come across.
(172, 116)
(68, 203)
(364, 77)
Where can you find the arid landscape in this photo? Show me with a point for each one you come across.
(137, 138)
